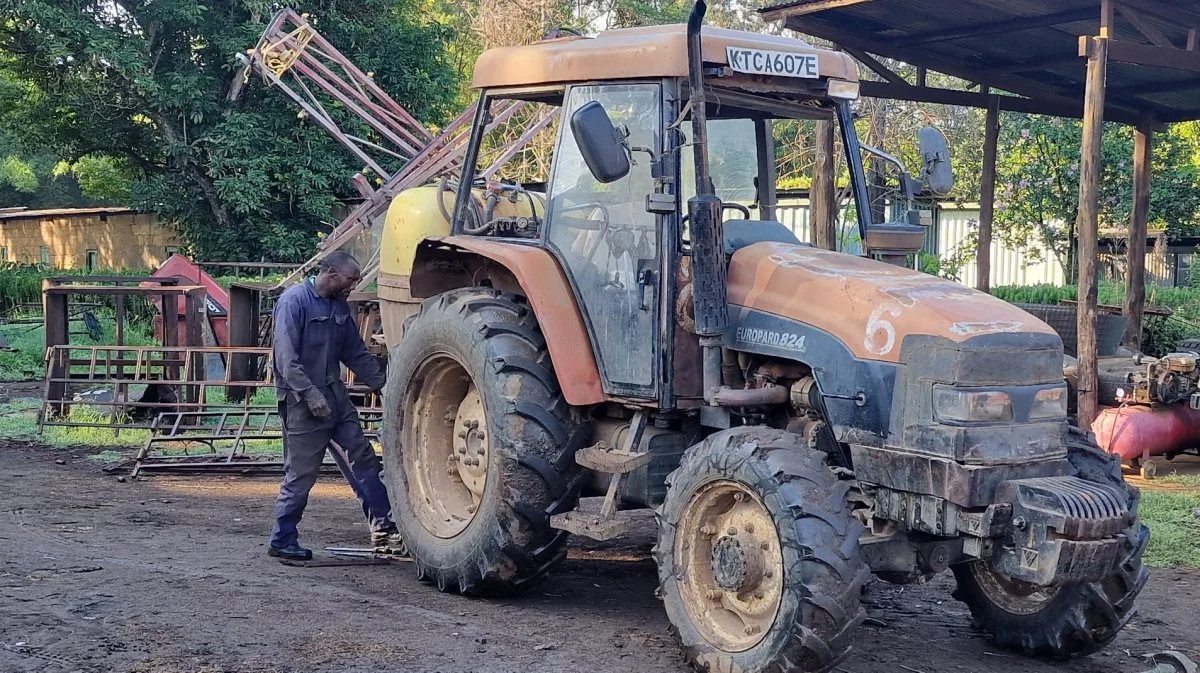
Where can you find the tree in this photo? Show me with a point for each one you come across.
(140, 88)
(1037, 194)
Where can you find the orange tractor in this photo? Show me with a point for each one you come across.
(797, 418)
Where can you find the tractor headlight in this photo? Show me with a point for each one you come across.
(843, 89)
(964, 405)
(1049, 404)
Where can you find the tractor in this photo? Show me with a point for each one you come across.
(621, 337)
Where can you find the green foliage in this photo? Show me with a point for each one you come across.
(18, 174)
(141, 89)
(26, 362)
(22, 283)
(104, 178)
(1037, 191)
(1160, 335)
(1174, 528)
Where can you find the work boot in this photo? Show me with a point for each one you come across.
(292, 552)
(388, 542)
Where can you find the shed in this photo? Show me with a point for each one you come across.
(85, 238)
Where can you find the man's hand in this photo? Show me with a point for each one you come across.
(318, 406)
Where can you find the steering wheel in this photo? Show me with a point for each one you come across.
(731, 206)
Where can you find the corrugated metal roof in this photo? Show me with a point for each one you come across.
(1025, 47)
(18, 214)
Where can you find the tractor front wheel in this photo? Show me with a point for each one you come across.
(1065, 621)
(758, 557)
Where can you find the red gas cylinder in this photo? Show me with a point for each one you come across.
(1135, 431)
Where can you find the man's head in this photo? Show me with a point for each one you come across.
(339, 275)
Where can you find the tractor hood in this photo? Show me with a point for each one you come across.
(869, 306)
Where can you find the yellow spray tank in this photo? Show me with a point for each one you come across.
(412, 217)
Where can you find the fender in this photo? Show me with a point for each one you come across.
(449, 262)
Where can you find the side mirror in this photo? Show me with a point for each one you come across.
(600, 143)
(937, 175)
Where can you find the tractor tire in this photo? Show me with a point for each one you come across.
(1074, 620)
(478, 444)
(758, 558)
(1188, 346)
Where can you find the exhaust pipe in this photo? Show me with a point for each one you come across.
(704, 215)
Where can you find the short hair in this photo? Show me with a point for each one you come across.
(338, 260)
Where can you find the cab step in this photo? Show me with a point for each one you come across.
(609, 522)
(602, 458)
(593, 525)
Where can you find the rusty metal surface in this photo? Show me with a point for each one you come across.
(182, 431)
(867, 305)
(653, 51)
(549, 294)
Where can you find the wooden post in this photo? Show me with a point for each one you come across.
(57, 333)
(822, 211)
(987, 196)
(766, 168)
(1135, 283)
(1086, 224)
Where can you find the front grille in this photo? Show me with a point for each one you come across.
(1080, 499)
(1069, 505)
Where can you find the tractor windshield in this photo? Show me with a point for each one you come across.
(733, 162)
(735, 142)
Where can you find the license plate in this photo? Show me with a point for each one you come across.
(776, 63)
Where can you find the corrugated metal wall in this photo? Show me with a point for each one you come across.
(952, 229)
(1010, 266)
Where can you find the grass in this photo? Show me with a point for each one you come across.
(27, 362)
(18, 422)
(1174, 526)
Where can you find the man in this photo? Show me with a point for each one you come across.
(314, 335)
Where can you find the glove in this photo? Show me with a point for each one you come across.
(318, 406)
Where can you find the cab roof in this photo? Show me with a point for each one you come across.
(635, 53)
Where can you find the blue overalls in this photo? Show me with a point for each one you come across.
(313, 337)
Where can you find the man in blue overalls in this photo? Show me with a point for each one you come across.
(314, 336)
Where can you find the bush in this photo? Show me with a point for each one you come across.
(22, 284)
(1160, 335)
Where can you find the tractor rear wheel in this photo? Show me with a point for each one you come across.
(1067, 621)
(758, 557)
(478, 444)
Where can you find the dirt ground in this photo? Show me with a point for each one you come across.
(169, 575)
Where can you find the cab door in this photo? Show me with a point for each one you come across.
(606, 241)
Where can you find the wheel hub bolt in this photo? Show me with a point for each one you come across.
(752, 629)
(765, 546)
(712, 594)
(758, 595)
(739, 496)
(708, 530)
(749, 528)
(731, 531)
